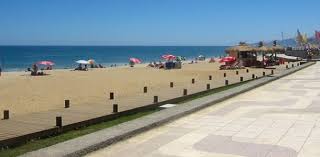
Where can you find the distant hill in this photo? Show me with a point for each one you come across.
(289, 42)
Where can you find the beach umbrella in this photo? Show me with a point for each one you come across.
(82, 62)
(168, 57)
(46, 63)
(135, 60)
(227, 59)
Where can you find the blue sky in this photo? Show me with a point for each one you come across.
(153, 22)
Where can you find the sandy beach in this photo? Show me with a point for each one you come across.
(22, 93)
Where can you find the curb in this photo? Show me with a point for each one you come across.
(88, 143)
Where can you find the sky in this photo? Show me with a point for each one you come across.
(154, 22)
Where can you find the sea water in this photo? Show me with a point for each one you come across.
(17, 58)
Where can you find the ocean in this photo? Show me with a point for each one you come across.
(19, 58)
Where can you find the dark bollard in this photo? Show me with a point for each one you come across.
(145, 89)
(237, 72)
(226, 82)
(298, 64)
(115, 108)
(272, 72)
(208, 86)
(224, 74)
(241, 79)
(6, 114)
(155, 99)
(111, 96)
(59, 121)
(185, 92)
(264, 73)
(66, 103)
(171, 84)
(247, 70)
(287, 66)
(292, 65)
(192, 81)
(210, 77)
(253, 76)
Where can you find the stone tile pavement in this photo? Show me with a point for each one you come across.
(280, 119)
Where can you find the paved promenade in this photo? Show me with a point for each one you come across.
(279, 119)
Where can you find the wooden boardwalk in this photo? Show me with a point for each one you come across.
(19, 129)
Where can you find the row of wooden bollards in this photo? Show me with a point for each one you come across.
(292, 65)
(59, 123)
(6, 113)
(145, 90)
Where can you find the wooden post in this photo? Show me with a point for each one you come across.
(171, 84)
(253, 76)
(287, 66)
(226, 82)
(155, 99)
(264, 73)
(237, 72)
(272, 72)
(241, 79)
(292, 65)
(6, 114)
(59, 121)
(192, 81)
(208, 86)
(111, 96)
(115, 108)
(66, 103)
(185, 92)
(210, 77)
(224, 74)
(145, 89)
(247, 70)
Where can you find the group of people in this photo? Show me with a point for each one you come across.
(156, 65)
(35, 70)
(85, 68)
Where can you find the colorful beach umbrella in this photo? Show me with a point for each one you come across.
(168, 57)
(135, 60)
(47, 63)
(227, 59)
(82, 62)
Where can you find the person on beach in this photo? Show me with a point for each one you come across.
(79, 67)
(0, 71)
(151, 65)
(34, 70)
(100, 66)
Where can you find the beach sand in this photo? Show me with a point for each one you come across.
(23, 94)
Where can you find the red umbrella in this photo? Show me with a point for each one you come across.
(169, 57)
(135, 60)
(228, 59)
(47, 63)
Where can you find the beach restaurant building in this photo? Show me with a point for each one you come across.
(245, 54)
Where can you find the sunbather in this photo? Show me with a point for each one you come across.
(151, 65)
(100, 66)
(79, 67)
